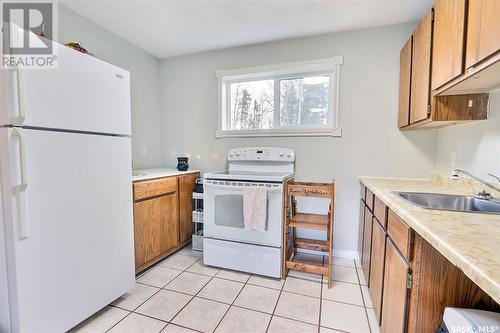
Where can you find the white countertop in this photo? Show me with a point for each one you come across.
(145, 174)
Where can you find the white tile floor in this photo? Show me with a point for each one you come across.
(181, 294)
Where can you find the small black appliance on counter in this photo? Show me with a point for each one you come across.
(182, 163)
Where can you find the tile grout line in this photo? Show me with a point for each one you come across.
(277, 301)
(363, 298)
(231, 305)
(296, 320)
(192, 296)
(251, 284)
(321, 294)
(163, 287)
(119, 321)
(247, 282)
(133, 311)
(346, 303)
(159, 289)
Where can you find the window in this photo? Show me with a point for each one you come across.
(295, 99)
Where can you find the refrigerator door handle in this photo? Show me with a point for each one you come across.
(20, 189)
(21, 115)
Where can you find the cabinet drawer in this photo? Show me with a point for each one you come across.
(363, 191)
(380, 212)
(152, 188)
(401, 234)
(369, 199)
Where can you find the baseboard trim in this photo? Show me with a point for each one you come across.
(347, 254)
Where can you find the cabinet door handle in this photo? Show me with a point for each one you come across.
(19, 190)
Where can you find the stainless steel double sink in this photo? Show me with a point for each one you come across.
(450, 202)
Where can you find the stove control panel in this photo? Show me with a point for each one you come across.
(272, 154)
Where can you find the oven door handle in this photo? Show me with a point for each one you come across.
(239, 188)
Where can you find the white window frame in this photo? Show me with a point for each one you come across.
(330, 66)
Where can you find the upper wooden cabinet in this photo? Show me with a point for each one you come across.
(483, 30)
(454, 53)
(420, 70)
(448, 41)
(404, 84)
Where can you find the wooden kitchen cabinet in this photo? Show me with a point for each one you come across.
(162, 217)
(155, 227)
(369, 198)
(361, 228)
(380, 211)
(401, 235)
(397, 283)
(483, 31)
(454, 64)
(377, 267)
(437, 283)
(187, 183)
(367, 243)
(155, 187)
(448, 41)
(405, 83)
(409, 281)
(421, 70)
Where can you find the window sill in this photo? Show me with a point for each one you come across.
(327, 132)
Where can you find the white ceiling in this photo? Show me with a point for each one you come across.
(167, 28)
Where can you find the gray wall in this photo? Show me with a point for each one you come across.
(476, 145)
(174, 112)
(371, 143)
(145, 81)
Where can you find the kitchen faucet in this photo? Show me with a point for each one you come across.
(482, 195)
(493, 176)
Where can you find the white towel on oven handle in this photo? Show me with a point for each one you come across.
(255, 208)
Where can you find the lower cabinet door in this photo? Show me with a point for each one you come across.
(377, 267)
(156, 227)
(395, 290)
(361, 229)
(367, 244)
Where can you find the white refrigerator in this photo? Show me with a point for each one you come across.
(66, 231)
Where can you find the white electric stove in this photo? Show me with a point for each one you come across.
(226, 242)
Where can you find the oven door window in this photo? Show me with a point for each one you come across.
(229, 211)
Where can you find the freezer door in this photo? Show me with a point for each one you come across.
(83, 93)
(73, 229)
(4, 91)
